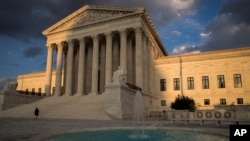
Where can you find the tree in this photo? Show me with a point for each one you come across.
(183, 103)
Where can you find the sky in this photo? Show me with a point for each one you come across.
(184, 26)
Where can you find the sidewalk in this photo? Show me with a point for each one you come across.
(24, 129)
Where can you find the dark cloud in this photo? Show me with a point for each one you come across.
(231, 28)
(26, 19)
(32, 52)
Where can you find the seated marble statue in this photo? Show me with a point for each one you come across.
(119, 76)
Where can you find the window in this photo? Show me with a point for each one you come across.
(206, 101)
(190, 81)
(237, 81)
(27, 91)
(163, 84)
(39, 91)
(239, 100)
(163, 103)
(205, 82)
(53, 90)
(223, 101)
(33, 91)
(221, 81)
(176, 83)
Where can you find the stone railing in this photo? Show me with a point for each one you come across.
(217, 115)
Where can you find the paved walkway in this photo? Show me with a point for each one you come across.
(24, 129)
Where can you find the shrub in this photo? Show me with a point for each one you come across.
(183, 103)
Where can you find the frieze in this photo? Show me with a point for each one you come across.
(90, 16)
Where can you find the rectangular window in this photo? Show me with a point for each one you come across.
(205, 82)
(33, 91)
(221, 81)
(163, 103)
(237, 81)
(163, 84)
(223, 101)
(190, 81)
(239, 100)
(206, 101)
(176, 83)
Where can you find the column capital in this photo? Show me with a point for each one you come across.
(108, 34)
(123, 32)
(138, 30)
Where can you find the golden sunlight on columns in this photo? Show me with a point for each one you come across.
(69, 68)
(95, 65)
(108, 71)
(123, 50)
(49, 70)
(138, 58)
(59, 69)
(81, 65)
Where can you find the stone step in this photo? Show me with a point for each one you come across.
(63, 107)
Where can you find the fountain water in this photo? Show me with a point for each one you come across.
(138, 118)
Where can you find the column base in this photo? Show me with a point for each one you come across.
(93, 93)
(78, 94)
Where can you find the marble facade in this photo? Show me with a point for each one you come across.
(94, 41)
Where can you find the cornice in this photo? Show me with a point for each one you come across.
(211, 55)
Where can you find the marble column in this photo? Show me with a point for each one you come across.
(123, 50)
(59, 69)
(69, 73)
(145, 63)
(49, 70)
(95, 65)
(80, 81)
(138, 58)
(108, 72)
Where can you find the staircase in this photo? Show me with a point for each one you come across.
(62, 107)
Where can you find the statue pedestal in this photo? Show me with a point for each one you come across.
(119, 101)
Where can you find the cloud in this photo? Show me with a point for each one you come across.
(176, 33)
(231, 28)
(27, 19)
(32, 52)
(205, 35)
(185, 49)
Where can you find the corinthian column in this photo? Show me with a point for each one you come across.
(59, 69)
(108, 72)
(95, 65)
(49, 70)
(123, 50)
(138, 58)
(69, 74)
(80, 83)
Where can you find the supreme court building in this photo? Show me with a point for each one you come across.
(92, 43)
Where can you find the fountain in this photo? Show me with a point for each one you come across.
(138, 118)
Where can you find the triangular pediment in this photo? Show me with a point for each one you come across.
(90, 15)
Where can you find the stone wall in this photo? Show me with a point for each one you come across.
(10, 99)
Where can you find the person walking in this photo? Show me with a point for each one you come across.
(36, 113)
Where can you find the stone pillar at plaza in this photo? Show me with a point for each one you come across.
(49, 70)
(69, 73)
(80, 82)
(95, 65)
(59, 69)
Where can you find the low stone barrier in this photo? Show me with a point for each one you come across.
(216, 115)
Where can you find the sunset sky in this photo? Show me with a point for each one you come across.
(184, 26)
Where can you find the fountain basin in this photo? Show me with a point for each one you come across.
(128, 135)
